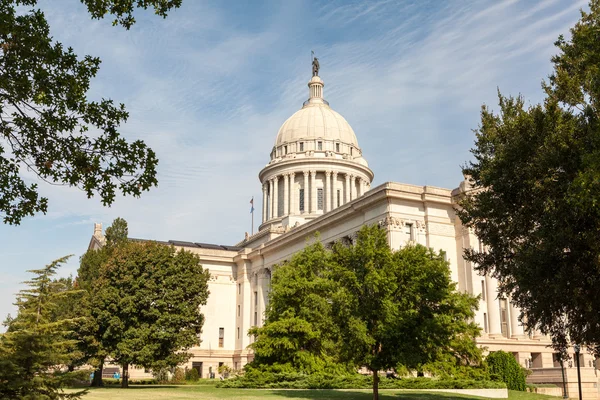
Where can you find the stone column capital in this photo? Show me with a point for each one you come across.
(328, 173)
(306, 173)
(313, 173)
(292, 174)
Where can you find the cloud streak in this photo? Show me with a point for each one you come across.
(208, 88)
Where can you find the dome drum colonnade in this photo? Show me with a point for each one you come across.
(338, 189)
(316, 164)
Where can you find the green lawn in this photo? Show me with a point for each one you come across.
(204, 392)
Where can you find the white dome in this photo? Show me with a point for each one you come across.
(316, 121)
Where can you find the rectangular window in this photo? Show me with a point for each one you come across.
(483, 290)
(255, 318)
(255, 299)
(284, 149)
(556, 360)
(301, 146)
(485, 323)
(320, 198)
(408, 230)
(536, 360)
(221, 336)
(351, 150)
(503, 317)
(239, 309)
(337, 147)
(238, 331)
(319, 145)
(239, 288)
(301, 202)
(339, 197)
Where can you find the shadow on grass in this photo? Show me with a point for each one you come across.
(364, 395)
(134, 387)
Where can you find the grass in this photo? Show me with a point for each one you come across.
(205, 392)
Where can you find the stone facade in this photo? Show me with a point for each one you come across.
(318, 181)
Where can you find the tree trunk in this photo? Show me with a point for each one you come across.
(97, 381)
(125, 377)
(375, 385)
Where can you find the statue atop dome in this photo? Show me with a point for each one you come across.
(315, 66)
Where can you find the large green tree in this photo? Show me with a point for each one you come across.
(365, 305)
(47, 123)
(36, 346)
(299, 333)
(146, 305)
(395, 307)
(89, 332)
(536, 202)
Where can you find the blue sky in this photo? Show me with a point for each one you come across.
(209, 86)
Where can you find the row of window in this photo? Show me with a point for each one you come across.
(319, 147)
(319, 199)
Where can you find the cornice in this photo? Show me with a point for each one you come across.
(327, 163)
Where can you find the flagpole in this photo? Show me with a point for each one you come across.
(252, 219)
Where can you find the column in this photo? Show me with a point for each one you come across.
(361, 186)
(327, 192)
(347, 189)
(264, 202)
(334, 191)
(275, 197)
(286, 193)
(305, 192)
(271, 198)
(352, 187)
(493, 308)
(313, 191)
(516, 329)
(293, 207)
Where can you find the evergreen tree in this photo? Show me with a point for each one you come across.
(35, 349)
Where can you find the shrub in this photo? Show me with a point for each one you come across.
(505, 368)
(259, 379)
(178, 376)
(192, 375)
(161, 375)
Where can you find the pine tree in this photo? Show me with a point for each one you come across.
(35, 350)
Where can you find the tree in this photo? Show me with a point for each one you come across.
(35, 348)
(146, 304)
(395, 307)
(505, 367)
(299, 333)
(364, 305)
(89, 331)
(536, 204)
(48, 125)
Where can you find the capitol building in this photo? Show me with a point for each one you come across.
(318, 180)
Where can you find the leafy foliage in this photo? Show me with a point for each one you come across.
(299, 333)
(47, 123)
(536, 207)
(147, 304)
(505, 368)
(192, 375)
(364, 305)
(36, 346)
(263, 379)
